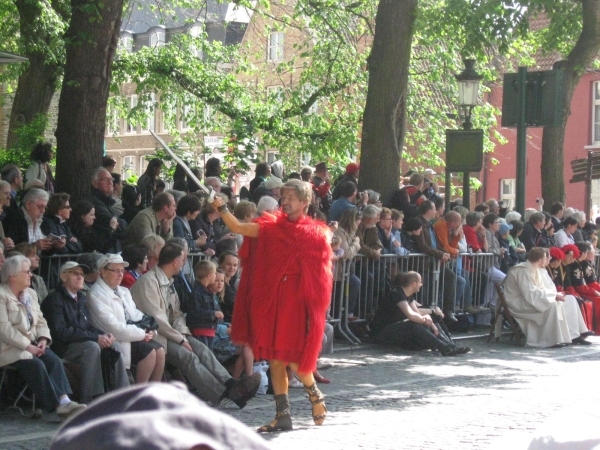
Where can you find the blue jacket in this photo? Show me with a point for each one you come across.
(200, 310)
(338, 207)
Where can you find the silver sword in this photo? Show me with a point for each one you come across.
(177, 159)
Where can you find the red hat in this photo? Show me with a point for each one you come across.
(571, 248)
(352, 168)
(557, 253)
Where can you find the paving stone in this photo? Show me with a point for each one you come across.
(381, 398)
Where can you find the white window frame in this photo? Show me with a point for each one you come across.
(142, 166)
(509, 198)
(113, 121)
(187, 109)
(131, 128)
(275, 46)
(596, 112)
(276, 92)
(272, 156)
(150, 124)
(127, 43)
(195, 32)
(157, 38)
(128, 166)
(307, 91)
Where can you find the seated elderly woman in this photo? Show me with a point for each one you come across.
(547, 317)
(111, 308)
(24, 340)
(37, 283)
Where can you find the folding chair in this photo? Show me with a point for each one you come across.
(503, 314)
(36, 413)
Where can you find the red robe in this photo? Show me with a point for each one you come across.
(285, 290)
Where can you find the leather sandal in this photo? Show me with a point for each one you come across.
(314, 392)
(283, 420)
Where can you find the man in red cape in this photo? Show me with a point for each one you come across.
(284, 294)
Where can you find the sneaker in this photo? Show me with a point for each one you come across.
(68, 409)
(473, 309)
(243, 390)
(483, 309)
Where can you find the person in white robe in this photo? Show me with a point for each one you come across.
(546, 317)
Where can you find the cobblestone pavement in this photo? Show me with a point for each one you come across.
(381, 399)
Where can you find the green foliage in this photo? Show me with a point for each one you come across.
(34, 28)
(318, 112)
(28, 136)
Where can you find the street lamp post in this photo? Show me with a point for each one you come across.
(468, 97)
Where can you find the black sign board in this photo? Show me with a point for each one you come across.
(544, 99)
(464, 150)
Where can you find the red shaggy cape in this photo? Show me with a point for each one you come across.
(285, 290)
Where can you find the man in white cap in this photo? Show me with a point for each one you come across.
(273, 185)
(74, 338)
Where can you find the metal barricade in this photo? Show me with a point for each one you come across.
(462, 282)
(372, 280)
(337, 313)
(49, 266)
(477, 266)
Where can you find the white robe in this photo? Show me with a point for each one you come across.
(531, 298)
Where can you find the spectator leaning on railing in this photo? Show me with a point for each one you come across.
(427, 243)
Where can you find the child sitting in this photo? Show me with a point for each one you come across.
(203, 311)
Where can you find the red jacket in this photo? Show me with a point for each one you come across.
(474, 239)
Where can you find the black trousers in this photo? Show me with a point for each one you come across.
(414, 336)
(46, 377)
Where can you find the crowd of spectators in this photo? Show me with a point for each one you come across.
(128, 305)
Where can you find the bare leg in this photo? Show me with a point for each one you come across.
(319, 411)
(238, 366)
(159, 366)
(280, 384)
(145, 367)
(248, 358)
(279, 376)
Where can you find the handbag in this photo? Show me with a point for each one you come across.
(147, 323)
(108, 361)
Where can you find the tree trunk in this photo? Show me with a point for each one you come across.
(585, 51)
(39, 81)
(92, 40)
(384, 120)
